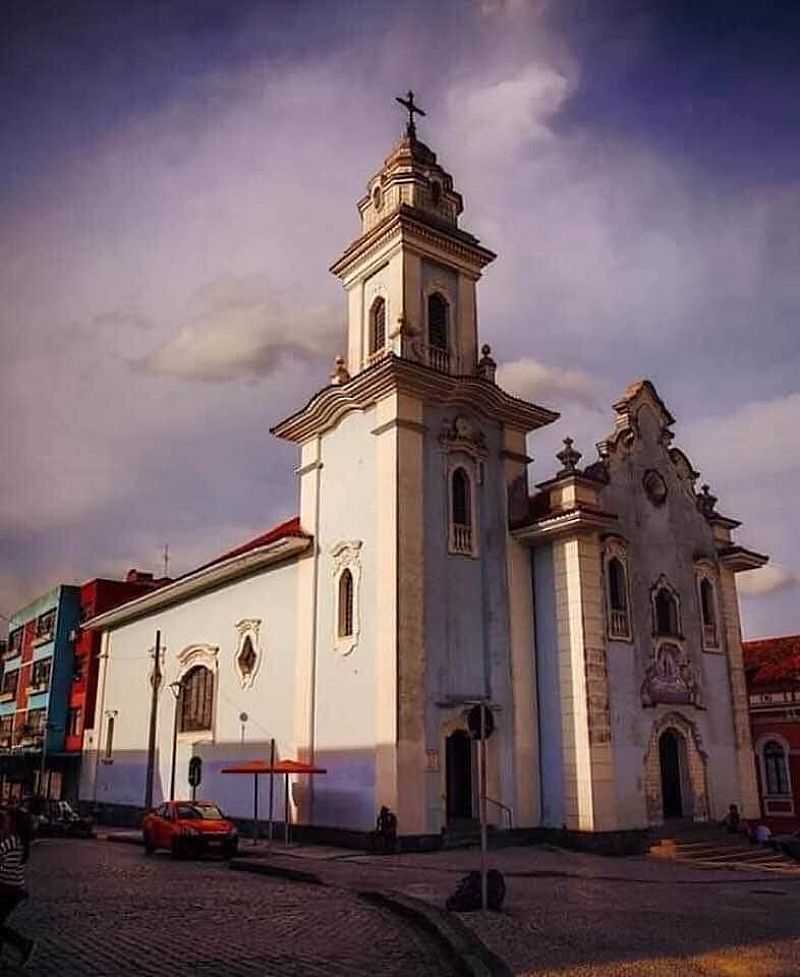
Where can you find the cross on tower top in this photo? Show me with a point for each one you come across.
(408, 103)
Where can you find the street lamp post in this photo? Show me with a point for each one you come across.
(176, 689)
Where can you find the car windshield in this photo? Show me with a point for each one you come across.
(205, 812)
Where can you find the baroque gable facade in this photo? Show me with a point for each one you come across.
(597, 618)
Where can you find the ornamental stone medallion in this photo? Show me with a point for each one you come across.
(671, 678)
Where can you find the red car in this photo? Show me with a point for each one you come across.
(189, 828)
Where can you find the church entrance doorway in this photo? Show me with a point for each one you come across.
(458, 768)
(669, 752)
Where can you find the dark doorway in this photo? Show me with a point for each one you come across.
(458, 759)
(669, 755)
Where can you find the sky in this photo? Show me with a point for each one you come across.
(178, 176)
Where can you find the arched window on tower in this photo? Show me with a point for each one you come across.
(666, 612)
(439, 354)
(619, 625)
(196, 699)
(460, 512)
(776, 772)
(708, 613)
(377, 326)
(345, 617)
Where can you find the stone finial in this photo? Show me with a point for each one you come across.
(569, 458)
(340, 373)
(487, 367)
(706, 501)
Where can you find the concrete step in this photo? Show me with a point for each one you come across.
(726, 854)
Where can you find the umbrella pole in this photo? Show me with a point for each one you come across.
(286, 810)
(255, 808)
(271, 788)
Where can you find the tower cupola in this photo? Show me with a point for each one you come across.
(411, 275)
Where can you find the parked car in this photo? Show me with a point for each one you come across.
(189, 828)
(51, 818)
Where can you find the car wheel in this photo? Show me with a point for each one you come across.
(178, 849)
(149, 847)
(230, 851)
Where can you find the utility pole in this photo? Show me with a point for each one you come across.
(151, 745)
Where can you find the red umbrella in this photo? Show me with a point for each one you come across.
(258, 767)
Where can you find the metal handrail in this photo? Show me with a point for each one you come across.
(509, 811)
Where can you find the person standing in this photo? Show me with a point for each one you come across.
(13, 855)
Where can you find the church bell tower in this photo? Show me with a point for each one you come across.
(410, 277)
(409, 459)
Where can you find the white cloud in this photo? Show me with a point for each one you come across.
(549, 385)
(761, 436)
(510, 112)
(768, 580)
(244, 332)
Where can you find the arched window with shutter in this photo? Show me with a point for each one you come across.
(345, 618)
(196, 699)
(377, 326)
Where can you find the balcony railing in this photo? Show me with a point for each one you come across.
(37, 687)
(8, 696)
(619, 624)
(462, 538)
(710, 635)
(437, 358)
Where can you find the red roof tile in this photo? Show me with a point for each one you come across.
(291, 527)
(772, 661)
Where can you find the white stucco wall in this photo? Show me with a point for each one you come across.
(345, 728)
(124, 690)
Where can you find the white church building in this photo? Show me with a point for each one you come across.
(597, 616)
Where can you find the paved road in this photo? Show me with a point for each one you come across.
(107, 910)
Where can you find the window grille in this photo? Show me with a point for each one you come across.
(197, 699)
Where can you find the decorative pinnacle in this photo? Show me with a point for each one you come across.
(340, 374)
(706, 501)
(569, 458)
(408, 103)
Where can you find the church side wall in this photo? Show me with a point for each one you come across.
(206, 627)
(346, 677)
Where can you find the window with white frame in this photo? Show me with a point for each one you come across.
(45, 624)
(776, 769)
(196, 699)
(707, 600)
(438, 328)
(346, 604)
(40, 675)
(460, 511)
(617, 598)
(247, 658)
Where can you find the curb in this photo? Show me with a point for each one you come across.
(474, 957)
(120, 839)
(277, 871)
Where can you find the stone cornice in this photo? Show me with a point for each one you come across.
(392, 373)
(200, 581)
(737, 558)
(413, 226)
(569, 522)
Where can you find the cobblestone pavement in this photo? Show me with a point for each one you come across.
(575, 915)
(107, 910)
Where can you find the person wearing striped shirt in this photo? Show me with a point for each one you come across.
(13, 856)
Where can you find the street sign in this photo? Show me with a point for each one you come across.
(474, 721)
(195, 771)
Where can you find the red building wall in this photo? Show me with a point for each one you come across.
(96, 596)
(772, 669)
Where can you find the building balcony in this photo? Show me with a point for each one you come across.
(38, 688)
(461, 539)
(437, 358)
(619, 627)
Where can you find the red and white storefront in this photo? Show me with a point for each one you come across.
(772, 668)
